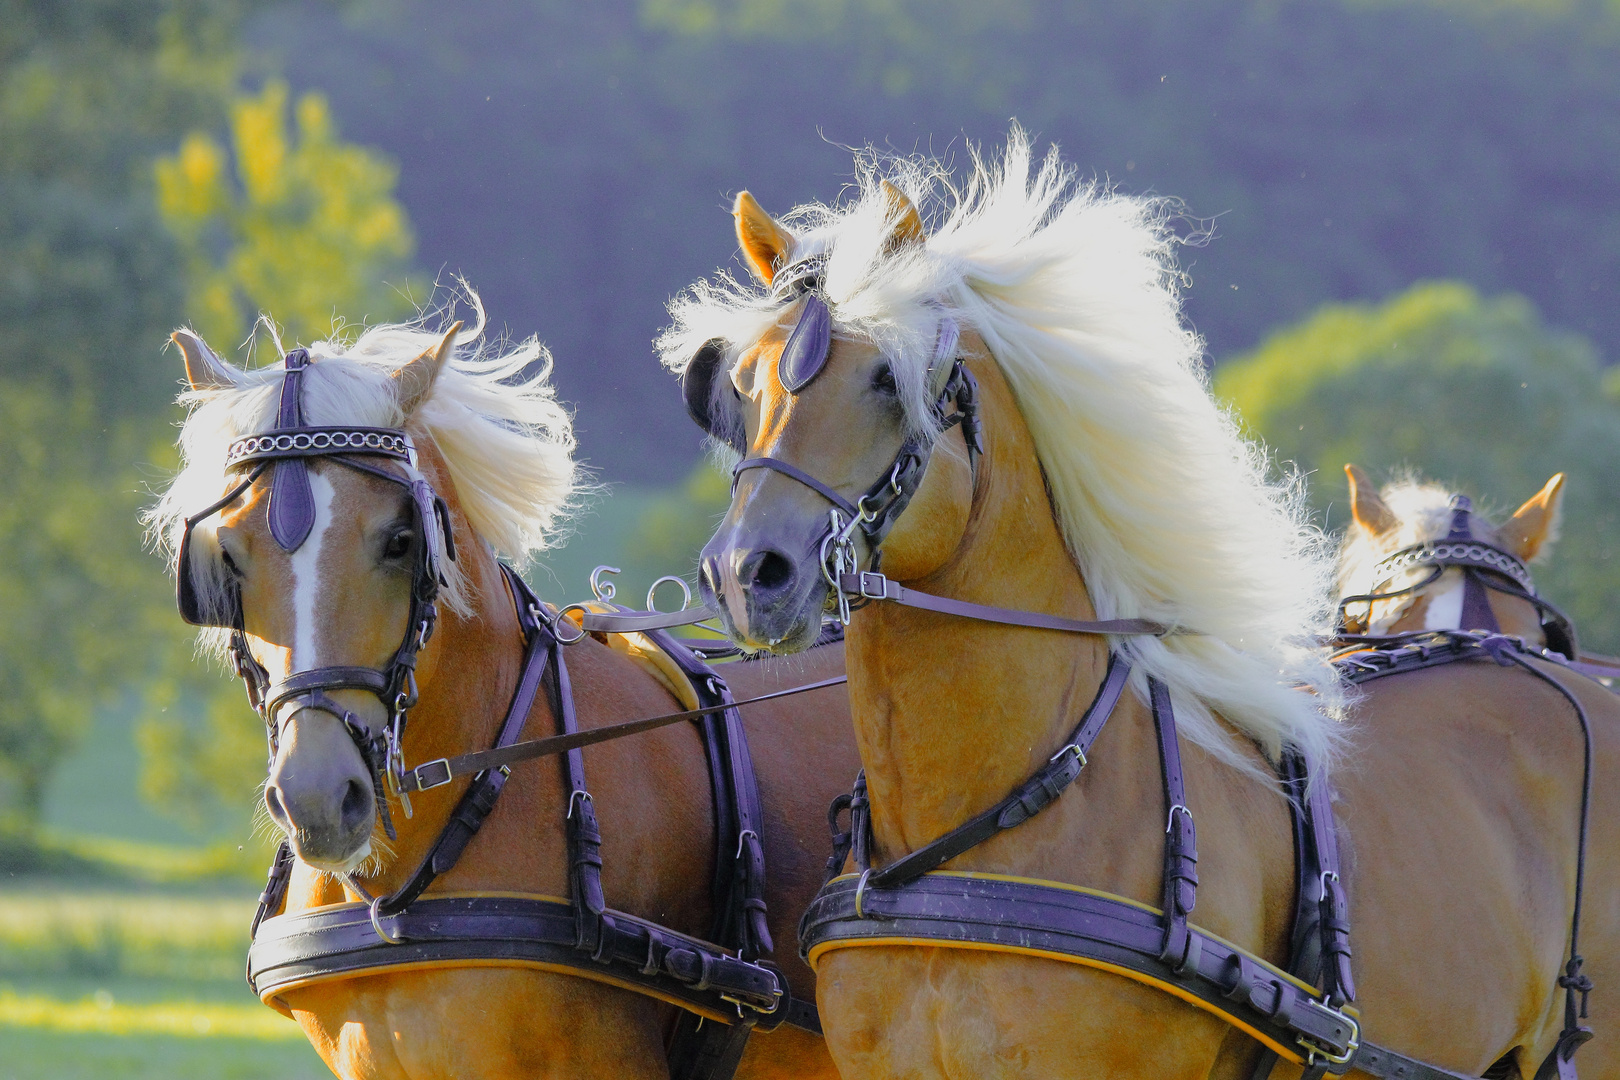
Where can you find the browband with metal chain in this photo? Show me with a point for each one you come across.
(319, 442)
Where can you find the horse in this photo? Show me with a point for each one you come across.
(1388, 554)
(959, 406)
(463, 452)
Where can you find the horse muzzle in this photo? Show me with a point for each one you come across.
(769, 590)
(320, 793)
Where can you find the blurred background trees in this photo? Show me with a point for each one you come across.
(165, 162)
(1473, 391)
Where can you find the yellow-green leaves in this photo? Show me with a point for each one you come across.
(290, 221)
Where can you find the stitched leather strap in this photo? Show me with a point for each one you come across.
(341, 941)
(1180, 888)
(1030, 798)
(631, 622)
(945, 909)
(871, 585)
(778, 465)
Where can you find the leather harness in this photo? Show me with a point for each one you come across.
(1303, 1015)
(723, 978)
(579, 935)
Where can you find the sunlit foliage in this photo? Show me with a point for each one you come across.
(293, 222)
(1465, 389)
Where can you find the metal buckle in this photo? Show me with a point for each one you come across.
(860, 891)
(1078, 753)
(574, 797)
(376, 924)
(420, 773)
(881, 586)
(1315, 1053)
(745, 834)
(1170, 822)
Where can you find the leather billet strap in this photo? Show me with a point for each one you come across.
(1068, 923)
(870, 585)
(340, 941)
(1029, 799)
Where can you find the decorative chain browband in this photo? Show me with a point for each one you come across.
(317, 441)
(1454, 553)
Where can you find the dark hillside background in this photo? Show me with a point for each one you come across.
(575, 160)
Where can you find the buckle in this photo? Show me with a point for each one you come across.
(1315, 1052)
(867, 580)
(432, 774)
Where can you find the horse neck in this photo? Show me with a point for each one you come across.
(467, 674)
(951, 714)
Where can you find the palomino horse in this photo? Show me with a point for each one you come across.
(331, 601)
(1419, 553)
(1009, 412)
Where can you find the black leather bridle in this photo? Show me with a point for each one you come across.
(875, 511)
(1484, 566)
(286, 449)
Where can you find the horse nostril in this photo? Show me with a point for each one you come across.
(272, 802)
(356, 805)
(766, 571)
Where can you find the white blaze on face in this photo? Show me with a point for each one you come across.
(1445, 602)
(306, 575)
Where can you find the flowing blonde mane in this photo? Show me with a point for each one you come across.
(492, 413)
(1167, 510)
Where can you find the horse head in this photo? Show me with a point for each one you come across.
(838, 417)
(1418, 557)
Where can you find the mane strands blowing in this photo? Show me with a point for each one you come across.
(492, 412)
(1165, 508)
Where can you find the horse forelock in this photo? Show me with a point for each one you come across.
(1166, 508)
(492, 417)
(1422, 512)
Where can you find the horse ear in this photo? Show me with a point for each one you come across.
(766, 244)
(907, 227)
(414, 381)
(204, 369)
(1366, 507)
(1533, 529)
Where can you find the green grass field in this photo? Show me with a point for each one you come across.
(104, 982)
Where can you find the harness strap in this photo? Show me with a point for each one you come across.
(291, 511)
(1029, 799)
(871, 585)
(1180, 838)
(778, 465)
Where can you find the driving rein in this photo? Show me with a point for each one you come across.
(1303, 1015)
(724, 978)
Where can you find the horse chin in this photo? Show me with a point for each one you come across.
(323, 859)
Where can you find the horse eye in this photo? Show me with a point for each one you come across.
(399, 545)
(230, 563)
(883, 381)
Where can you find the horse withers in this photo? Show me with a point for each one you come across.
(1004, 421)
(320, 578)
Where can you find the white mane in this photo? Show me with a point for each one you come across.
(492, 412)
(1166, 508)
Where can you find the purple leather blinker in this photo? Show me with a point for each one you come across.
(807, 347)
(292, 504)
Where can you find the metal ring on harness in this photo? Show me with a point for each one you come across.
(376, 923)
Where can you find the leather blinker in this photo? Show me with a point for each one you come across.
(292, 505)
(807, 346)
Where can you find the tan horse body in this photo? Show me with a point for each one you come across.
(651, 793)
(1458, 806)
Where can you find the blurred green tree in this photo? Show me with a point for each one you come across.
(672, 531)
(307, 229)
(90, 91)
(1464, 389)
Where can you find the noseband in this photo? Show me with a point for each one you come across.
(285, 449)
(876, 510)
(1484, 566)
